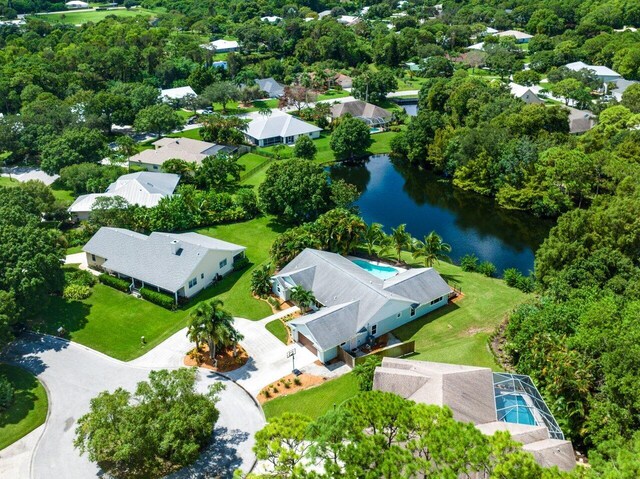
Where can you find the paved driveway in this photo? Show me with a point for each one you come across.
(73, 374)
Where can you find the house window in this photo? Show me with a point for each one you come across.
(289, 139)
(201, 275)
(93, 257)
(374, 329)
(413, 311)
(223, 263)
(193, 282)
(155, 167)
(437, 300)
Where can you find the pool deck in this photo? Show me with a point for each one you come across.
(377, 263)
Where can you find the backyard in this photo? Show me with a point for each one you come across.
(457, 333)
(113, 322)
(63, 196)
(29, 408)
(78, 18)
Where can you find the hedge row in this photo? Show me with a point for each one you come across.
(117, 283)
(160, 299)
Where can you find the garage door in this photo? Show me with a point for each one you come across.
(307, 343)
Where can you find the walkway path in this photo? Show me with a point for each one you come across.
(73, 374)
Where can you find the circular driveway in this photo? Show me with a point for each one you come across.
(74, 374)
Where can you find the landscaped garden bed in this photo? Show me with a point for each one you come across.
(227, 359)
(288, 385)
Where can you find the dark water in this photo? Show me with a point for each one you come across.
(470, 223)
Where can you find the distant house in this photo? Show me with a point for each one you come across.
(491, 401)
(371, 114)
(520, 37)
(525, 94)
(272, 88)
(604, 74)
(178, 93)
(345, 81)
(180, 265)
(279, 127)
(621, 87)
(222, 46)
(476, 46)
(220, 64)
(413, 67)
(142, 189)
(349, 20)
(580, 121)
(324, 13)
(186, 149)
(353, 305)
(76, 4)
(36, 175)
(271, 19)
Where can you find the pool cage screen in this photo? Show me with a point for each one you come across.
(521, 386)
(375, 122)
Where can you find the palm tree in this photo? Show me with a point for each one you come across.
(213, 325)
(401, 239)
(432, 249)
(261, 280)
(373, 236)
(303, 298)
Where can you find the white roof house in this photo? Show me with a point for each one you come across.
(605, 74)
(222, 46)
(521, 37)
(349, 20)
(271, 19)
(356, 305)
(37, 175)
(621, 87)
(177, 93)
(179, 264)
(186, 149)
(279, 127)
(142, 189)
(476, 46)
(491, 401)
(524, 93)
(76, 4)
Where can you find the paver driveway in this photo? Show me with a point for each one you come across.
(73, 374)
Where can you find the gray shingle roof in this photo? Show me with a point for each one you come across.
(327, 324)
(337, 281)
(359, 108)
(277, 124)
(270, 87)
(152, 258)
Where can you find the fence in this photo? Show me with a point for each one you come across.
(255, 169)
(394, 351)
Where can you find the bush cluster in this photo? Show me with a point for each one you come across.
(471, 263)
(79, 277)
(6, 393)
(116, 283)
(516, 279)
(160, 299)
(76, 292)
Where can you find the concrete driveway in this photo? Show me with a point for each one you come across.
(73, 374)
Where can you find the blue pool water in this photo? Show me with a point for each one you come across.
(513, 409)
(379, 271)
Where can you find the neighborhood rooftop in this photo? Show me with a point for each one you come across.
(278, 124)
(185, 149)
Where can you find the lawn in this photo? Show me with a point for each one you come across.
(77, 18)
(278, 329)
(29, 408)
(316, 401)
(251, 161)
(6, 181)
(113, 322)
(331, 94)
(193, 133)
(63, 196)
(457, 333)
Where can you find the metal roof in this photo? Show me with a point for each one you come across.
(278, 124)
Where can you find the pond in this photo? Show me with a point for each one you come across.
(393, 194)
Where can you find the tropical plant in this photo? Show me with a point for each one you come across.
(432, 249)
(338, 230)
(261, 280)
(469, 263)
(211, 324)
(401, 239)
(302, 297)
(372, 236)
(6, 393)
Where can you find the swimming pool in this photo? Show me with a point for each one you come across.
(379, 271)
(514, 409)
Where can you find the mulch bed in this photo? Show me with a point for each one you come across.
(286, 386)
(226, 360)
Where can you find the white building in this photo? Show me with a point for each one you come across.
(178, 93)
(525, 94)
(271, 19)
(604, 74)
(76, 4)
(279, 127)
(142, 189)
(222, 46)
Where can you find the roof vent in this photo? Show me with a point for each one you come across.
(176, 247)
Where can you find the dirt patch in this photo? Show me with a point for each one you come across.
(498, 343)
(226, 359)
(288, 385)
(474, 331)
(458, 297)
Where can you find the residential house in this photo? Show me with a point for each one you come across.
(491, 401)
(580, 121)
(35, 175)
(179, 93)
(520, 37)
(181, 265)
(272, 88)
(355, 306)
(142, 189)
(279, 127)
(604, 74)
(273, 19)
(324, 13)
(525, 94)
(220, 64)
(371, 114)
(349, 20)
(222, 46)
(76, 4)
(345, 81)
(621, 87)
(186, 149)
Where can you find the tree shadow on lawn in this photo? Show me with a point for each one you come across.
(70, 315)
(24, 399)
(409, 330)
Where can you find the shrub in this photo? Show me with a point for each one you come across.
(6, 393)
(469, 263)
(297, 381)
(116, 283)
(511, 276)
(364, 372)
(76, 292)
(275, 390)
(160, 299)
(79, 277)
(487, 268)
(275, 304)
(526, 284)
(286, 383)
(266, 393)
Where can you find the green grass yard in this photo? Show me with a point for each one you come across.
(316, 401)
(63, 196)
(29, 408)
(78, 18)
(279, 330)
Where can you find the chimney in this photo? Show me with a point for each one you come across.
(175, 247)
